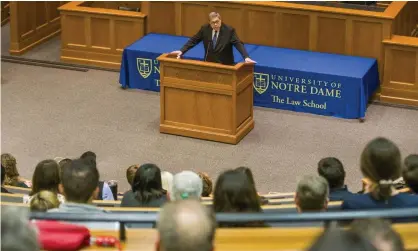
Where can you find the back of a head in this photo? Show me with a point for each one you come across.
(207, 184)
(130, 173)
(186, 185)
(381, 163)
(247, 171)
(167, 180)
(341, 240)
(147, 183)
(235, 193)
(44, 201)
(186, 225)
(9, 164)
(410, 172)
(79, 180)
(88, 154)
(379, 233)
(46, 177)
(333, 171)
(16, 233)
(312, 193)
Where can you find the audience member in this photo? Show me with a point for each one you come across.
(333, 171)
(80, 185)
(167, 181)
(410, 172)
(381, 164)
(185, 225)
(235, 193)
(186, 185)
(16, 232)
(312, 194)
(12, 175)
(43, 201)
(207, 184)
(341, 240)
(147, 189)
(247, 171)
(105, 193)
(130, 173)
(3, 176)
(45, 177)
(379, 233)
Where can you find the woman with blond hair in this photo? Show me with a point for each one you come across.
(12, 175)
(43, 201)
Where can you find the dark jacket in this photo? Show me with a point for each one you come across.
(223, 51)
(339, 194)
(129, 200)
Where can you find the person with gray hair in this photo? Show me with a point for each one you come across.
(16, 233)
(185, 225)
(218, 39)
(312, 194)
(186, 185)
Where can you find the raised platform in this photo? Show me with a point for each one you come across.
(303, 81)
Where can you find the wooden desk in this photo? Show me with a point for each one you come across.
(97, 36)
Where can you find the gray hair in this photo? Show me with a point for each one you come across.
(312, 193)
(213, 15)
(16, 233)
(186, 185)
(186, 225)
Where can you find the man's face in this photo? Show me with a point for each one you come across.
(215, 23)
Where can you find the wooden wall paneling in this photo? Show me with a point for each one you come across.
(260, 27)
(161, 17)
(296, 31)
(400, 84)
(103, 35)
(31, 24)
(193, 16)
(332, 35)
(233, 17)
(406, 20)
(5, 12)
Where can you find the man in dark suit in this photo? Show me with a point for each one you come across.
(218, 39)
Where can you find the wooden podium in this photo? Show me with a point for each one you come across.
(206, 100)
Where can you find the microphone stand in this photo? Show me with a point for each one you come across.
(207, 49)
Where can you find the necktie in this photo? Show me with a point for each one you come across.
(215, 36)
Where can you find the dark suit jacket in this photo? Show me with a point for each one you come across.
(223, 52)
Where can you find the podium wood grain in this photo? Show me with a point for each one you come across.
(206, 100)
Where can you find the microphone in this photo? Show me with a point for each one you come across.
(207, 49)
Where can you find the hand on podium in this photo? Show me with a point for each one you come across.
(249, 60)
(177, 53)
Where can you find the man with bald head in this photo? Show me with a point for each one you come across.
(185, 225)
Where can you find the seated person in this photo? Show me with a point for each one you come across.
(186, 185)
(207, 184)
(105, 193)
(45, 177)
(380, 163)
(380, 233)
(333, 171)
(312, 194)
(234, 193)
(12, 175)
(185, 225)
(80, 185)
(3, 176)
(410, 172)
(247, 171)
(147, 189)
(43, 201)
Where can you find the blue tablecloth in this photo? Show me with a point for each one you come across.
(319, 83)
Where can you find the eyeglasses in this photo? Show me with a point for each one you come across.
(215, 22)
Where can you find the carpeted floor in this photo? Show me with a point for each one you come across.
(50, 112)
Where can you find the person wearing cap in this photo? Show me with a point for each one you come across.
(186, 185)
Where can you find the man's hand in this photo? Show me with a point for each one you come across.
(249, 60)
(177, 53)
